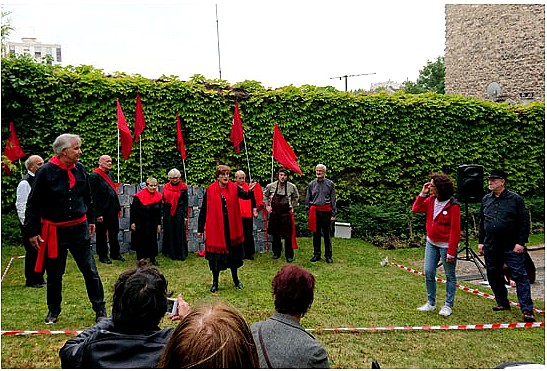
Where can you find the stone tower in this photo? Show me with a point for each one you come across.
(496, 52)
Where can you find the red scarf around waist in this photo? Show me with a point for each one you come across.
(49, 237)
(146, 198)
(312, 217)
(214, 222)
(171, 195)
(71, 178)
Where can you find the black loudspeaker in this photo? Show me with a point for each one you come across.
(470, 183)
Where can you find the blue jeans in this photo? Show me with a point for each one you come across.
(494, 270)
(432, 256)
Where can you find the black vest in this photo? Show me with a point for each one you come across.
(30, 179)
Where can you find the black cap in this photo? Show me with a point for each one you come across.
(497, 174)
(284, 171)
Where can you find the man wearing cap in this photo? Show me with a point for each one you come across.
(503, 232)
(280, 197)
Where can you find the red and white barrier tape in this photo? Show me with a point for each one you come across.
(430, 328)
(9, 265)
(461, 287)
(339, 329)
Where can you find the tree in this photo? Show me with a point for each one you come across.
(5, 30)
(431, 78)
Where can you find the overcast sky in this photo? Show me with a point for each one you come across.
(277, 43)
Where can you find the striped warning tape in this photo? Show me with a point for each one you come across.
(9, 265)
(337, 330)
(461, 287)
(430, 328)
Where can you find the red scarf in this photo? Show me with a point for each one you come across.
(107, 179)
(146, 198)
(312, 216)
(49, 243)
(171, 194)
(245, 205)
(214, 223)
(71, 178)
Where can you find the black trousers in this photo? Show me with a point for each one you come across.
(76, 240)
(111, 226)
(249, 241)
(277, 247)
(31, 277)
(323, 227)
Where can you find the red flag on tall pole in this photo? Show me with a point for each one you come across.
(139, 119)
(125, 135)
(180, 139)
(282, 151)
(236, 135)
(13, 149)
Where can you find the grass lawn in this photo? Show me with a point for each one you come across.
(355, 291)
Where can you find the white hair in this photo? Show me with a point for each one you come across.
(173, 173)
(321, 166)
(64, 141)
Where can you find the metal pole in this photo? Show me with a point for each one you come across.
(218, 44)
(140, 155)
(247, 155)
(118, 155)
(184, 169)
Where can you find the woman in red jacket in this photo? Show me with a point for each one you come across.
(442, 215)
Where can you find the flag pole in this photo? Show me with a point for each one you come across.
(140, 154)
(272, 167)
(21, 169)
(184, 169)
(118, 155)
(247, 155)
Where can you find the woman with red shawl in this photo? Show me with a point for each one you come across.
(145, 221)
(175, 217)
(220, 219)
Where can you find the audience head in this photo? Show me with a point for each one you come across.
(293, 288)
(33, 163)
(140, 299)
(240, 177)
(211, 336)
(444, 185)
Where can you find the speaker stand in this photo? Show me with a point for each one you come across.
(470, 255)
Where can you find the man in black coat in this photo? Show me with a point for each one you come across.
(106, 209)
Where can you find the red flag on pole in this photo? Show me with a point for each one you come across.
(139, 119)
(236, 136)
(13, 149)
(282, 151)
(180, 140)
(125, 135)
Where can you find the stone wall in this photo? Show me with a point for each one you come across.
(496, 43)
(195, 198)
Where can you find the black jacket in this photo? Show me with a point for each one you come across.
(101, 346)
(503, 221)
(105, 199)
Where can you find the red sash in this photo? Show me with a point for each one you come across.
(146, 198)
(171, 194)
(49, 237)
(293, 236)
(214, 222)
(71, 178)
(107, 179)
(312, 217)
(245, 205)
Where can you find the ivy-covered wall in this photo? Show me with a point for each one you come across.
(377, 148)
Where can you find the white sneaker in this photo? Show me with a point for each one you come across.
(445, 311)
(426, 308)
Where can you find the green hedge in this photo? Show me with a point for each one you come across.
(378, 148)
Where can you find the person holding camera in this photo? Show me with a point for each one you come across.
(132, 338)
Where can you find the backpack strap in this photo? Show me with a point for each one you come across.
(263, 348)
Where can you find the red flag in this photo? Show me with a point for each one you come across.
(236, 136)
(282, 152)
(125, 134)
(139, 119)
(13, 149)
(180, 140)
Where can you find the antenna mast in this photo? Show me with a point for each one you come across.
(346, 77)
(218, 45)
